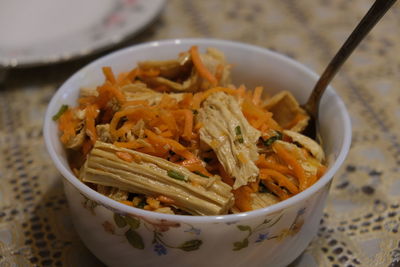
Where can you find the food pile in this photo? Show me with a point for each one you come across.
(178, 137)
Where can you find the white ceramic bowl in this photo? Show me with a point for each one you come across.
(120, 235)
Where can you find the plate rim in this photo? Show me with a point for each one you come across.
(95, 48)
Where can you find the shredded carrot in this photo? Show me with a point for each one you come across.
(196, 101)
(133, 114)
(132, 74)
(240, 92)
(262, 162)
(194, 165)
(186, 101)
(130, 144)
(121, 78)
(219, 72)
(124, 129)
(124, 156)
(281, 179)
(163, 127)
(175, 146)
(257, 95)
(86, 146)
(167, 134)
(148, 150)
(225, 176)
(127, 202)
(258, 117)
(243, 198)
(254, 186)
(198, 63)
(68, 125)
(108, 73)
(313, 179)
(170, 121)
(198, 126)
(152, 203)
(165, 199)
(166, 102)
(187, 130)
(282, 194)
(91, 114)
(107, 92)
(293, 163)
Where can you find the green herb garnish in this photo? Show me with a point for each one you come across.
(62, 109)
(272, 139)
(201, 174)
(176, 175)
(238, 132)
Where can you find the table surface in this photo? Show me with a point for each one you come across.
(361, 222)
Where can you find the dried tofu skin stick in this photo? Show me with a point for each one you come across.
(138, 92)
(154, 176)
(309, 144)
(229, 134)
(262, 200)
(287, 111)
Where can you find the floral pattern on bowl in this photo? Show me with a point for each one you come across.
(126, 226)
(263, 233)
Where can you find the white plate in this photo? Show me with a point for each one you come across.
(47, 31)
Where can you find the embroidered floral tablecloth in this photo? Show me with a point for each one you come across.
(361, 221)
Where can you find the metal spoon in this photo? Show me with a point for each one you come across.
(374, 14)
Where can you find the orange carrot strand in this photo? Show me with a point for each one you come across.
(198, 63)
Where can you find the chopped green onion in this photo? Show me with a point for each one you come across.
(238, 131)
(176, 175)
(201, 174)
(272, 139)
(62, 109)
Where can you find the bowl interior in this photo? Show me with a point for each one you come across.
(252, 66)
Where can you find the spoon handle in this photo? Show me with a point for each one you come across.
(375, 13)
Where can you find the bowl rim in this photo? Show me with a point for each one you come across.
(124, 209)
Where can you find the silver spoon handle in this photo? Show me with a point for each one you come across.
(375, 13)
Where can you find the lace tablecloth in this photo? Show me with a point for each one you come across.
(361, 222)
